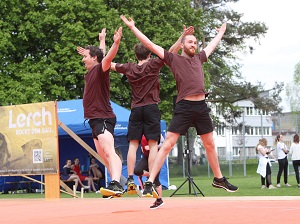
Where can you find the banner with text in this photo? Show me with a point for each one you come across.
(29, 139)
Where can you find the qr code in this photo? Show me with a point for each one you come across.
(37, 155)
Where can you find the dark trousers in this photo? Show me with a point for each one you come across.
(268, 177)
(283, 166)
(296, 164)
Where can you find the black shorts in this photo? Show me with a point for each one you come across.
(191, 114)
(144, 120)
(143, 165)
(99, 125)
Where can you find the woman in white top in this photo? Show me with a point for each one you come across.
(264, 164)
(295, 154)
(282, 161)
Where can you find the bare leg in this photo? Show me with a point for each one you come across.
(102, 155)
(76, 180)
(97, 173)
(211, 153)
(152, 153)
(92, 184)
(131, 156)
(168, 144)
(159, 191)
(76, 183)
(106, 141)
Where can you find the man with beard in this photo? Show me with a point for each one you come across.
(191, 108)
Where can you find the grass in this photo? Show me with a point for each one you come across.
(248, 185)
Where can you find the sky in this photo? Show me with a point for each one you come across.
(275, 57)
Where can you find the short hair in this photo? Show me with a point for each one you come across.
(183, 38)
(141, 52)
(296, 138)
(95, 51)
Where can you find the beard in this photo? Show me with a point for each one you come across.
(189, 51)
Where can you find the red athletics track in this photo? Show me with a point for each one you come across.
(136, 210)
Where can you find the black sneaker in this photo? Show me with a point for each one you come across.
(149, 190)
(114, 188)
(157, 204)
(131, 187)
(223, 183)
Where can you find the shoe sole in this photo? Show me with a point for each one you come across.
(107, 192)
(157, 206)
(153, 195)
(226, 189)
(131, 189)
(147, 195)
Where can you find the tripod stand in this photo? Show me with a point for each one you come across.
(189, 178)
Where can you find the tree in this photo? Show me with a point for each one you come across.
(39, 61)
(38, 43)
(293, 90)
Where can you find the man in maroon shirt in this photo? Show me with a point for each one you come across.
(145, 116)
(97, 109)
(190, 108)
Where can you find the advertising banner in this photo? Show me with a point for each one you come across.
(29, 139)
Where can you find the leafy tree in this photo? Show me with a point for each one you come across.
(39, 62)
(38, 40)
(293, 90)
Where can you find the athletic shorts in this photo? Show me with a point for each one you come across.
(144, 120)
(99, 125)
(143, 165)
(191, 114)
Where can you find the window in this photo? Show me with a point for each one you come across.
(249, 111)
(236, 151)
(257, 131)
(221, 152)
(249, 130)
(234, 131)
(266, 131)
(220, 130)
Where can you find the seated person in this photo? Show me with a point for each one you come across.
(142, 169)
(95, 171)
(68, 174)
(76, 168)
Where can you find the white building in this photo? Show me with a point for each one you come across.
(232, 143)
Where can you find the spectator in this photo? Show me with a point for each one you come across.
(264, 164)
(295, 155)
(282, 161)
(69, 174)
(94, 170)
(76, 168)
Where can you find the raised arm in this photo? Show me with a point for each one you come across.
(159, 51)
(176, 46)
(102, 36)
(80, 50)
(215, 41)
(112, 51)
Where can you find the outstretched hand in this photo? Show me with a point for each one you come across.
(188, 31)
(118, 35)
(129, 22)
(102, 35)
(222, 28)
(80, 50)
